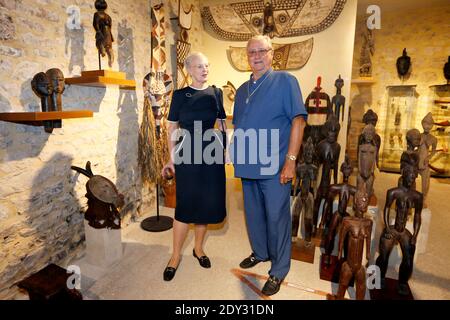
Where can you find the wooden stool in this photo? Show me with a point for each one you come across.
(49, 283)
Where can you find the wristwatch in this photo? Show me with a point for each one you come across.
(291, 157)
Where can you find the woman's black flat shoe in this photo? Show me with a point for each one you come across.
(203, 260)
(169, 273)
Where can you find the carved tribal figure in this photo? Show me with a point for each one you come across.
(405, 199)
(306, 175)
(327, 151)
(42, 87)
(370, 117)
(338, 101)
(345, 191)
(411, 155)
(427, 141)
(103, 36)
(357, 231)
(367, 158)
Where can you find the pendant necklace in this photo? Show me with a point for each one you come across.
(248, 88)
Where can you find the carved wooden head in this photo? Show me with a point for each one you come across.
(41, 85)
(101, 5)
(57, 80)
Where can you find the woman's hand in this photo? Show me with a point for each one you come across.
(168, 171)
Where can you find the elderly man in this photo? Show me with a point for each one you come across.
(269, 119)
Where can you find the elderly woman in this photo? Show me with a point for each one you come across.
(196, 160)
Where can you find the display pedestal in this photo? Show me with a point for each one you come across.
(317, 237)
(103, 246)
(49, 284)
(330, 272)
(390, 292)
(373, 213)
(102, 79)
(303, 251)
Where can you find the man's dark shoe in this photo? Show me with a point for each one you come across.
(271, 286)
(249, 262)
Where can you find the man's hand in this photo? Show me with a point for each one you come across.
(288, 171)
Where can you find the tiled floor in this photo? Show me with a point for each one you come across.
(138, 275)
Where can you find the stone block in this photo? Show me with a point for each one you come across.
(103, 246)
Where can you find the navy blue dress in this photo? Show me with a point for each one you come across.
(200, 184)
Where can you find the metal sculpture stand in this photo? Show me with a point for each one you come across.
(157, 223)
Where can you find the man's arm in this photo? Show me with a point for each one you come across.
(295, 141)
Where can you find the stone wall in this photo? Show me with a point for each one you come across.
(41, 198)
(424, 32)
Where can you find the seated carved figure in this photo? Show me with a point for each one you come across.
(344, 191)
(103, 200)
(355, 231)
(405, 199)
(304, 202)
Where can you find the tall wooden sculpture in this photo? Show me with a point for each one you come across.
(428, 141)
(103, 35)
(304, 201)
(405, 199)
(153, 146)
(327, 151)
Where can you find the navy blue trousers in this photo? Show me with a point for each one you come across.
(267, 211)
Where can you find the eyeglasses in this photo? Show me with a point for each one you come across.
(259, 52)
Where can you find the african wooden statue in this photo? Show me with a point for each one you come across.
(103, 200)
(43, 89)
(370, 117)
(304, 202)
(405, 199)
(318, 106)
(403, 64)
(427, 141)
(367, 50)
(327, 152)
(367, 157)
(338, 101)
(103, 35)
(269, 20)
(411, 155)
(57, 81)
(344, 190)
(355, 231)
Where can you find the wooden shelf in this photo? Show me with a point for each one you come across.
(36, 118)
(363, 81)
(102, 79)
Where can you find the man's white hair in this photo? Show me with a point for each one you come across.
(261, 37)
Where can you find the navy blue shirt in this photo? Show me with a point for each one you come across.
(262, 118)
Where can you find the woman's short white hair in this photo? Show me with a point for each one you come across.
(261, 37)
(191, 57)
